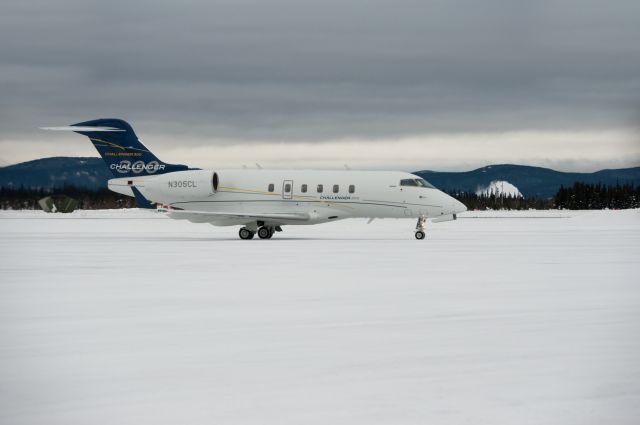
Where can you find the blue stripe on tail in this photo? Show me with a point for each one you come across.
(119, 147)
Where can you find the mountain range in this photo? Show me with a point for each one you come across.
(530, 181)
(92, 173)
(56, 172)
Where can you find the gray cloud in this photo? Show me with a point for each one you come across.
(310, 71)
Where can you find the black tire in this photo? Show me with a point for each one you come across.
(264, 233)
(245, 233)
(420, 235)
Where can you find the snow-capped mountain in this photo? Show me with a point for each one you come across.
(499, 188)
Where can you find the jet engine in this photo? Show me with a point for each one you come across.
(179, 185)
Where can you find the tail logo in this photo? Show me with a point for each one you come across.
(104, 144)
(125, 167)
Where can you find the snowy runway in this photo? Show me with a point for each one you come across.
(128, 317)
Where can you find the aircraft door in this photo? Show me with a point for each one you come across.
(287, 189)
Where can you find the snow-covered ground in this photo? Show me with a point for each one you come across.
(127, 317)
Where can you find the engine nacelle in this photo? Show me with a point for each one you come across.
(179, 185)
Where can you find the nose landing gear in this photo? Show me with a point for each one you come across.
(420, 233)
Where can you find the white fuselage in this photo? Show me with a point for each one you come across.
(321, 195)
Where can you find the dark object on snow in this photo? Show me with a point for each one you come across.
(62, 204)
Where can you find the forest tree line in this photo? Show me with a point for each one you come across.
(580, 196)
(501, 202)
(27, 199)
(583, 196)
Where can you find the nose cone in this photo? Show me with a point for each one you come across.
(458, 207)
(453, 206)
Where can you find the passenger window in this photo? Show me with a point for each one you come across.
(303, 188)
(271, 187)
(336, 188)
(320, 188)
(287, 187)
(352, 188)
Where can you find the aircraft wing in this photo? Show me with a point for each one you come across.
(205, 216)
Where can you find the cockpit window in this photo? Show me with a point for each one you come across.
(424, 183)
(416, 182)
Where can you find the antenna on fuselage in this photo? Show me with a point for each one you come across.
(259, 166)
(346, 167)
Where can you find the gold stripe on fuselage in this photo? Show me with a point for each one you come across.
(307, 198)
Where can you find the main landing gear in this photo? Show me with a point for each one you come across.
(245, 233)
(264, 232)
(420, 234)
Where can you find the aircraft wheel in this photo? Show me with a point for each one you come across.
(245, 233)
(264, 233)
(420, 235)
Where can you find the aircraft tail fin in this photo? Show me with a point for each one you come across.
(120, 148)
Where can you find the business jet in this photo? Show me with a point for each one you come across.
(261, 201)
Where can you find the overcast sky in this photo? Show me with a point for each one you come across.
(447, 85)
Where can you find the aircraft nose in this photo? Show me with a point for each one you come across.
(455, 206)
(459, 207)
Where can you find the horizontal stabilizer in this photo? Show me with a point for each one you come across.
(79, 128)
